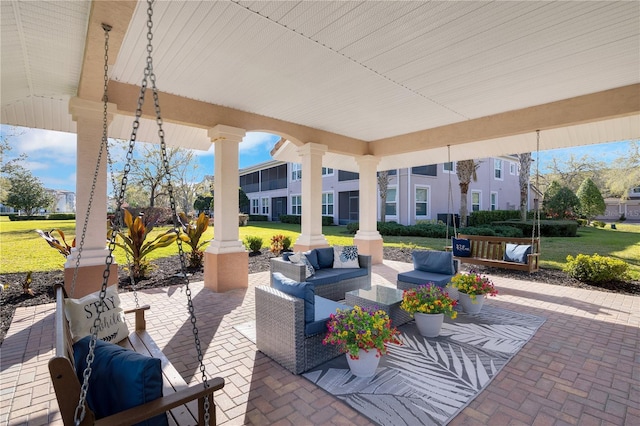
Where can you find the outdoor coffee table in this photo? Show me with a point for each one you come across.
(380, 297)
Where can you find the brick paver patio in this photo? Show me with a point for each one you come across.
(581, 368)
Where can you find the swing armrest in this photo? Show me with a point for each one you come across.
(166, 403)
(141, 323)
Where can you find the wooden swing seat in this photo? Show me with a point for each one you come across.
(489, 251)
(178, 400)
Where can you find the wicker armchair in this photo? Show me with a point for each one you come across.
(333, 291)
(280, 332)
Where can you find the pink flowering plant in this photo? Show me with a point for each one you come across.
(357, 328)
(428, 299)
(474, 285)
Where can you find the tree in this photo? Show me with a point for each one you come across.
(559, 201)
(573, 170)
(525, 172)
(26, 192)
(243, 200)
(625, 173)
(203, 202)
(591, 201)
(466, 170)
(383, 188)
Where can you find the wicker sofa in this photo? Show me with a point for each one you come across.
(437, 267)
(331, 283)
(290, 329)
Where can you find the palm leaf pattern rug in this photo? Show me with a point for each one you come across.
(427, 381)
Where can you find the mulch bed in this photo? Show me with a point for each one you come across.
(165, 270)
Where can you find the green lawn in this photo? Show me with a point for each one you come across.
(22, 250)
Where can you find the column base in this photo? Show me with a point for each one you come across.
(370, 247)
(308, 242)
(89, 279)
(226, 271)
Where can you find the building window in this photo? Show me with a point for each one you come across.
(255, 206)
(296, 171)
(475, 201)
(265, 206)
(430, 170)
(494, 201)
(449, 167)
(390, 208)
(273, 178)
(497, 168)
(422, 202)
(343, 175)
(327, 204)
(327, 171)
(636, 190)
(296, 204)
(512, 168)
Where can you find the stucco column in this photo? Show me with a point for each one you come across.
(368, 238)
(88, 116)
(226, 261)
(311, 230)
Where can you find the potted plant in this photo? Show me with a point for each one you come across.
(363, 334)
(428, 304)
(470, 286)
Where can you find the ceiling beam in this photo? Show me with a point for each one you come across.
(619, 102)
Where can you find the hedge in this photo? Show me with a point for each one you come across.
(548, 228)
(258, 218)
(486, 217)
(436, 230)
(297, 219)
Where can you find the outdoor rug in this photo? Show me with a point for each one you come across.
(428, 381)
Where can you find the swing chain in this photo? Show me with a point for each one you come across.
(149, 73)
(80, 411)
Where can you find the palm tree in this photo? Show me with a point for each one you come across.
(466, 170)
(383, 185)
(525, 170)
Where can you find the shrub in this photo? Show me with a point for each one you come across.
(286, 243)
(258, 218)
(486, 217)
(582, 222)
(15, 217)
(598, 224)
(596, 268)
(253, 243)
(290, 218)
(278, 243)
(353, 227)
(622, 218)
(61, 216)
(192, 231)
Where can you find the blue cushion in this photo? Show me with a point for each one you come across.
(312, 255)
(461, 247)
(286, 254)
(293, 288)
(517, 253)
(120, 379)
(438, 262)
(422, 278)
(324, 308)
(325, 257)
(331, 275)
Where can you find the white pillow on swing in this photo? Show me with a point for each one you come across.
(81, 313)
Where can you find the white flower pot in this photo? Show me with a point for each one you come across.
(453, 292)
(366, 365)
(429, 325)
(471, 306)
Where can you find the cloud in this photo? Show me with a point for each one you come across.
(255, 142)
(41, 142)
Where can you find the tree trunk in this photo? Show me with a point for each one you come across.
(464, 212)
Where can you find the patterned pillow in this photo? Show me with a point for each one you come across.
(309, 269)
(345, 257)
(82, 312)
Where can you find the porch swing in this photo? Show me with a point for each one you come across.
(133, 382)
(522, 254)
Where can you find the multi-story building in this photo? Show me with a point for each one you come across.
(417, 193)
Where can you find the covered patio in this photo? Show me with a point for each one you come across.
(580, 368)
(356, 86)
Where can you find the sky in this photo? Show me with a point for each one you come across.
(51, 156)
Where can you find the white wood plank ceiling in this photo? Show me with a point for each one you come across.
(367, 70)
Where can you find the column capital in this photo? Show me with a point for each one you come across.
(312, 148)
(368, 159)
(226, 133)
(82, 108)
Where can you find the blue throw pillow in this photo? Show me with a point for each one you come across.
(461, 247)
(120, 379)
(517, 253)
(305, 291)
(312, 255)
(325, 257)
(438, 262)
(286, 254)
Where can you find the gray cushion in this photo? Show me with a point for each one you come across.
(324, 308)
(517, 253)
(421, 278)
(312, 255)
(302, 290)
(325, 257)
(330, 275)
(439, 262)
